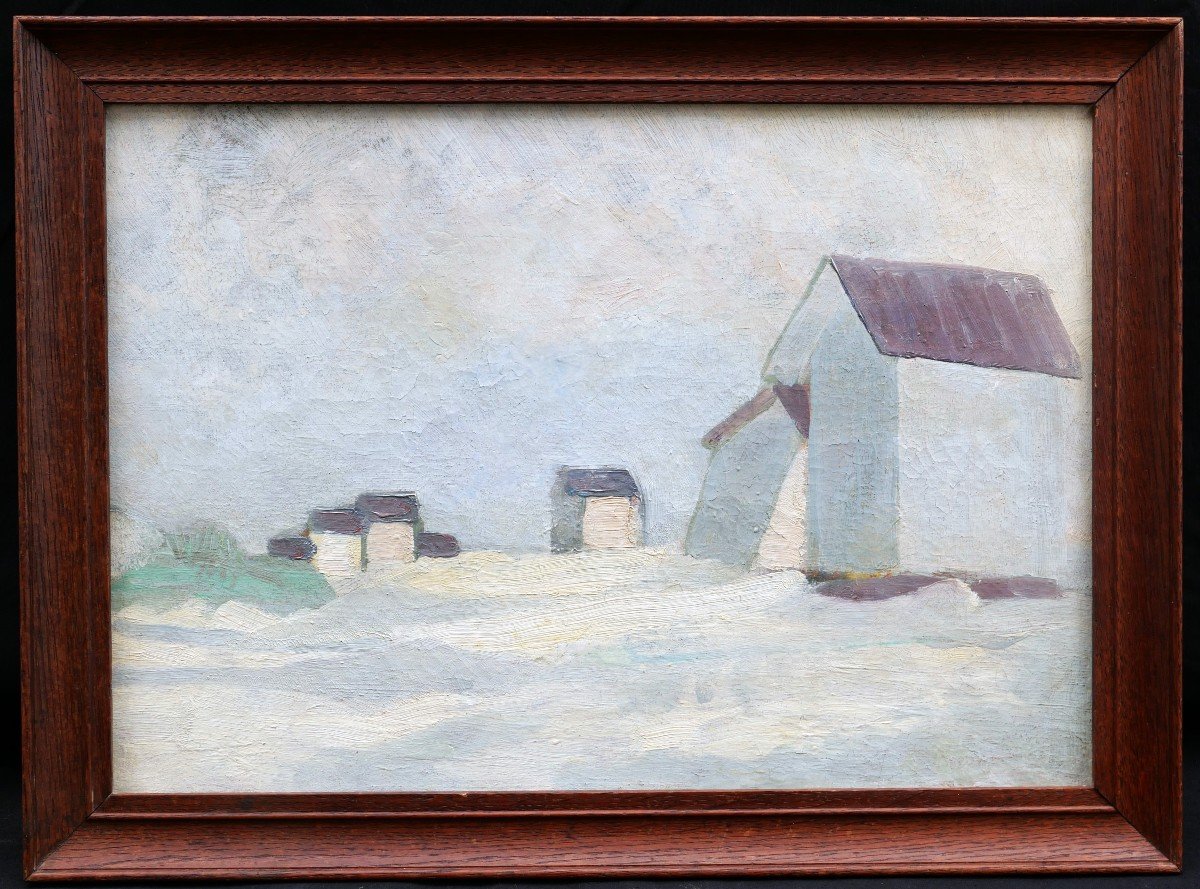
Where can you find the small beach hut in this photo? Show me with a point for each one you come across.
(392, 521)
(337, 538)
(595, 509)
(929, 406)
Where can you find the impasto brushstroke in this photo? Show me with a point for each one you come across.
(599, 447)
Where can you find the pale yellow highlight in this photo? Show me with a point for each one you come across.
(391, 543)
(784, 544)
(611, 523)
(339, 555)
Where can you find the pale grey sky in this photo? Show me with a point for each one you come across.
(311, 301)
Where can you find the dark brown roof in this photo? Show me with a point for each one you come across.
(961, 314)
(298, 548)
(795, 401)
(336, 521)
(399, 507)
(598, 482)
(437, 546)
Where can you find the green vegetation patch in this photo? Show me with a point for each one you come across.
(210, 566)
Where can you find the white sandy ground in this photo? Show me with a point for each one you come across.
(602, 670)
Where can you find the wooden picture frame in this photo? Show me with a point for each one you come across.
(1127, 70)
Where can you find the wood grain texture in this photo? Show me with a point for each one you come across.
(578, 92)
(604, 50)
(74, 828)
(973, 800)
(95, 418)
(1144, 716)
(1104, 458)
(584, 846)
(62, 474)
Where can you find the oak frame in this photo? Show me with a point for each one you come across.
(1128, 70)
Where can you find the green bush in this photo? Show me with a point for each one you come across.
(210, 566)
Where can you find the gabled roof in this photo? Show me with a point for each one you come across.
(961, 314)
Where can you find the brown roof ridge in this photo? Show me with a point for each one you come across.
(795, 400)
(746, 412)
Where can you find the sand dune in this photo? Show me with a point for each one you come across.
(633, 669)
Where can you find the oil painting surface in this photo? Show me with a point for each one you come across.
(596, 447)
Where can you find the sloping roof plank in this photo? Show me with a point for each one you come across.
(732, 424)
(960, 314)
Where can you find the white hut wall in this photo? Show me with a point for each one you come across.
(981, 482)
(390, 543)
(611, 523)
(340, 555)
(852, 450)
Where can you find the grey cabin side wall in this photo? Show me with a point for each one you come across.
(566, 517)
(790, 359)
(981, 480)
(741, 489)
(852, 452)
(745, 474)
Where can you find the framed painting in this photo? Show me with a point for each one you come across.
(477, 448)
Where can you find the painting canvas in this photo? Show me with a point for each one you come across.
(560, 447)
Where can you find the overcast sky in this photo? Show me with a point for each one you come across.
(307, 302)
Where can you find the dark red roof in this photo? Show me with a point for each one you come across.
(298, 548)
(795, 400)
(958, 313)
(437, 546)
(598, 482)
(336, 521)
(397, 507)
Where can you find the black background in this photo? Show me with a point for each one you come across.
(9, 680)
